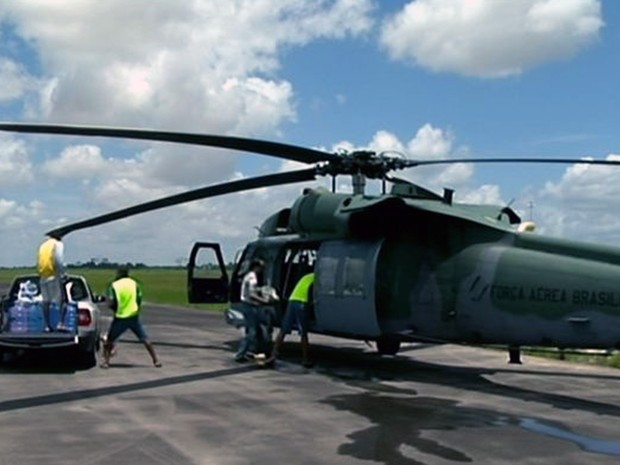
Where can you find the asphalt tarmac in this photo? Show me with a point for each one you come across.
(430, 404)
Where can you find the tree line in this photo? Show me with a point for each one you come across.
(106, 264)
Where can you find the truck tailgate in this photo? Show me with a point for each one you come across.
(38, 340)
(24, 325)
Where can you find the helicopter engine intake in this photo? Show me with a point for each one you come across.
(316, 212)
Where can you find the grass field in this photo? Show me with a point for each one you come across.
(160, 285)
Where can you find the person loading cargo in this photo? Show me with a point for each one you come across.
(251, 300)
(51, 269)
(125, 298)
(296, 316)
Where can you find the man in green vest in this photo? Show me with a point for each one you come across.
(296, 315)
(124, 297)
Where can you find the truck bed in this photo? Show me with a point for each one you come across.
(23, 325)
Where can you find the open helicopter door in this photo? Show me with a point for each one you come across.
(345, 294)
(207, 278)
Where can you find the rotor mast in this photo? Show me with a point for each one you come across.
(359, 183)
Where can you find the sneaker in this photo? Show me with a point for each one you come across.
(267, 363)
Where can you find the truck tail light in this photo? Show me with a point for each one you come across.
(84, 317)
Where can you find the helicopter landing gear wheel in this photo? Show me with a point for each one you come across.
(387, 345)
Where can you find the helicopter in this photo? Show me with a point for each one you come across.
(407, 264)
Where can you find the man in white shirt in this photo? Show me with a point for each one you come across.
(251, 299)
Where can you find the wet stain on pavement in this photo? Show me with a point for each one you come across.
(403, 425)
(398, 421)
(586, 443)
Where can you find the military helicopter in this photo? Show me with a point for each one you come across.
(404, 265)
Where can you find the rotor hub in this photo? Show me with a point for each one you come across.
(366, 163)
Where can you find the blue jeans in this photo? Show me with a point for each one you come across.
(248, 343)
(296, 317)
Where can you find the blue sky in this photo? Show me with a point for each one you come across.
(429, 78)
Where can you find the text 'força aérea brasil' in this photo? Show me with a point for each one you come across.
(602, 298)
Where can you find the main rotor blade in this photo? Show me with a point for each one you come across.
(197, 194)
(274, 149)
(569, 161)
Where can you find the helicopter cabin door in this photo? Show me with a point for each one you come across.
(207, 278)
(345, 291)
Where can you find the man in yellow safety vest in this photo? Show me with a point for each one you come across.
(296, 315)
(124, 297)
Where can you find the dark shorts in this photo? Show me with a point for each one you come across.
(120, 325)
(296, 317)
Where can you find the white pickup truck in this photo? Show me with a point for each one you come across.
(22, 324)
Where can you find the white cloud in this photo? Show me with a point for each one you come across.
(5, 207)
(256, 106)
(490, 38)
(15, 81)
(430, 142)
(595, 185)
(15, 165)
(78, 161)
(16, 216)
(455, 175)
(181, 75)
(583, 204)
(485, 194)
(167, 165)
(123, 191)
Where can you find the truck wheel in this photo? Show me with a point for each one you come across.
(388, 345)
(85, 358)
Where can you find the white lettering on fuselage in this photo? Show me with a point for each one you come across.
(554, 295)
